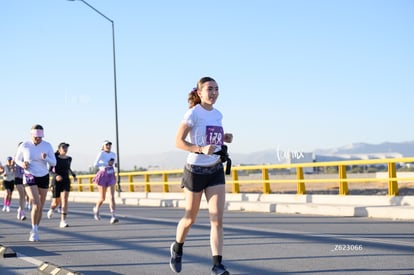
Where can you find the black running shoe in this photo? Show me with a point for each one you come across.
(219, 270)
(175, 261)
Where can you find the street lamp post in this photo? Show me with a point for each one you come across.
(115, 91)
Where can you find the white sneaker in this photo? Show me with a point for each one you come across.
(4, 209)
(96, 214)
(63, 224)
(114, 220)
(50, 213)
(20, 215)
(7, 208)
(34, 236)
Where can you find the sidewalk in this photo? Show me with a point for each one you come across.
(372, 206)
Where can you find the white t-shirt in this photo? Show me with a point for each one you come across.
(206, 128)
(32, 153)
(103, 159)
(8, 173)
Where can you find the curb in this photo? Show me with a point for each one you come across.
(369, 206)
(7, 252)
(372, 206)
(47, 268)
(381, 207)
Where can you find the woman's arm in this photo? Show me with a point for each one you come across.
(228, 137)
(19, 159)
(70, 169)
(182, 143)
(98, 161)
(50, 156)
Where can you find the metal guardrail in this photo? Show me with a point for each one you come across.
(266, 181)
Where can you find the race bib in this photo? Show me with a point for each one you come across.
(28, 179)
(214, 135)
(110, 170)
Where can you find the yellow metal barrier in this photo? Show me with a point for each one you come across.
(392, 183)
(341, 179)
(265, 179)
(343, 184)
(236, 185)
(301, 183)
(147, 184)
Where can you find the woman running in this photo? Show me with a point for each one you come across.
(105, 178)
(61, 183)
(203, 172)
(34, 156)
(8, 183)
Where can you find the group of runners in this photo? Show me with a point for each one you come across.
(200, 133)
(36, 169)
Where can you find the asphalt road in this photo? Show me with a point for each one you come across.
(254, 243)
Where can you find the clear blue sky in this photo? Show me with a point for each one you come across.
(298, 75)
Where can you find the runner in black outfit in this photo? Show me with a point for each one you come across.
(61, 183)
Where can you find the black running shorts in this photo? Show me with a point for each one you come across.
(197, 178)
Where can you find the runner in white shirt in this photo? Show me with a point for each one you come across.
(203, 172)
(8, 183)
(105, 178)
(34, 156)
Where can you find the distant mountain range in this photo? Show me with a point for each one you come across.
(367, 151)
(176, 159)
